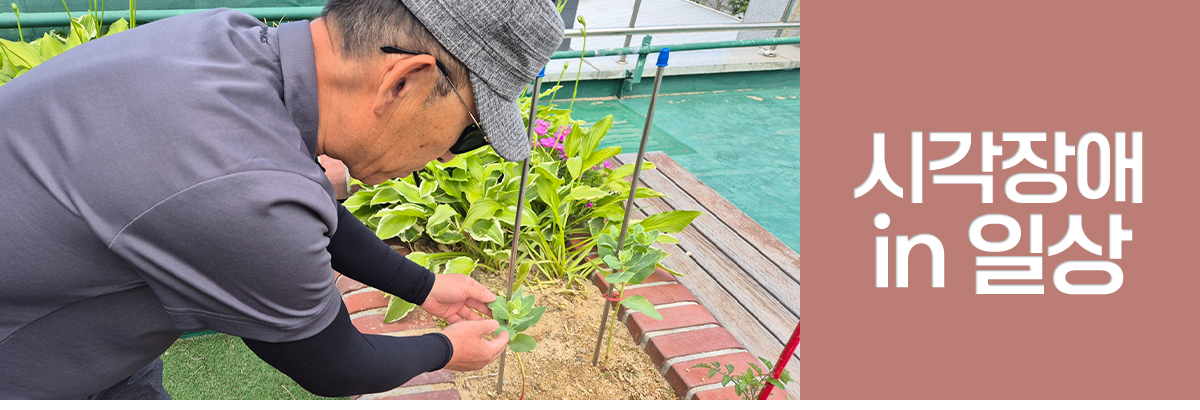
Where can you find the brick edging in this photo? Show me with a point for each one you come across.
(367, 306)
(687, 335)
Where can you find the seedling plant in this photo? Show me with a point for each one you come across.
(516, 316)
(747, 384)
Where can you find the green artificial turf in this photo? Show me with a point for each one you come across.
(221, 367)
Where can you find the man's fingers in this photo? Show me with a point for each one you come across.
(481, 292)
(486, 327)
(468, 314)
(500, 342)
(480, 306)
(452, 319)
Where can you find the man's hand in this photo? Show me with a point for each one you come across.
(471, 350)
(454, 295)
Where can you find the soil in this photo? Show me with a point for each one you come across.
(560, 368)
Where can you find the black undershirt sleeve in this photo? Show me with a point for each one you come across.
(357, 253)
(340, 361)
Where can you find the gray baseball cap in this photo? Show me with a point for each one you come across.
(504, 44)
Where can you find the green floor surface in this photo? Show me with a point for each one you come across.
(221, 367)
(744, 143)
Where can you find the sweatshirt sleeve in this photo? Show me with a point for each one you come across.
(357, 253)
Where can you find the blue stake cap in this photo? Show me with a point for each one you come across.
(662, 57)
(543, 73)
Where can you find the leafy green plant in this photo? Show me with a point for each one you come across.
(748, 383)
(630, 264)
(469, 203)
(18, 57)
(440, 263)
(516, 316)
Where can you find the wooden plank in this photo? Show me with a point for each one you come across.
(743, 306)
(785, 257)
(733, 316)
(711, 226)
(746, 292)
(743, 292)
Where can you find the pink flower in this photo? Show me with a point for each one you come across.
(541, 127)
(550, 143)
(562, 132)
(607, 165)
(589, 204)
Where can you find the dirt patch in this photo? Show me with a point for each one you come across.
(561, 366)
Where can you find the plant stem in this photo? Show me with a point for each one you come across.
(19, 31)
(613, 325)
(556, 84)
(522, 368)
(580, 72)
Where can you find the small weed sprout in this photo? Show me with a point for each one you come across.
(749, 383)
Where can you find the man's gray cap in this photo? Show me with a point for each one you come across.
(504, 44)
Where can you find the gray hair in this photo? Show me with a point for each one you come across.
(366, 25)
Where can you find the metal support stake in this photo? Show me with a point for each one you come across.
(787, 13)
(663, 55)
(637, 6)
(512, 256)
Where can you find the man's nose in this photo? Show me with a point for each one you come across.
(447, 157)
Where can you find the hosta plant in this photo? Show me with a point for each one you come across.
(516, 316)
(748, 383)
(18, 57)
(469, 204)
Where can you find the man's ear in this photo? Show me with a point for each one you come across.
(406, 76)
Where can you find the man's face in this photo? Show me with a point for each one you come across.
(399, 129)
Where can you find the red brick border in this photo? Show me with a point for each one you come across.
(366, 306)
(687, 335)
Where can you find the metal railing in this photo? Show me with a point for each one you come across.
(695, 28)
(60, 19)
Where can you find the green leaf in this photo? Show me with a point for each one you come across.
(572, 142)
(664, 238)
(499, 309)
(117, 27)
(410, 192)
(596, 133)
(504, 328)
(23, 55)
(640, 304)
(612, 261)
(596, 157)
(670, 221)
(482, 209)
(461, 264)
(522, 273)
(358, 200)
(50, 46)
(428, 187)
(574, 165)
(386, 195)
(522, 343)
(626, 170)
(529, 320)
(420, 258)
(397, 309)
(583, 193)
(391, 225)
(412, 210)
